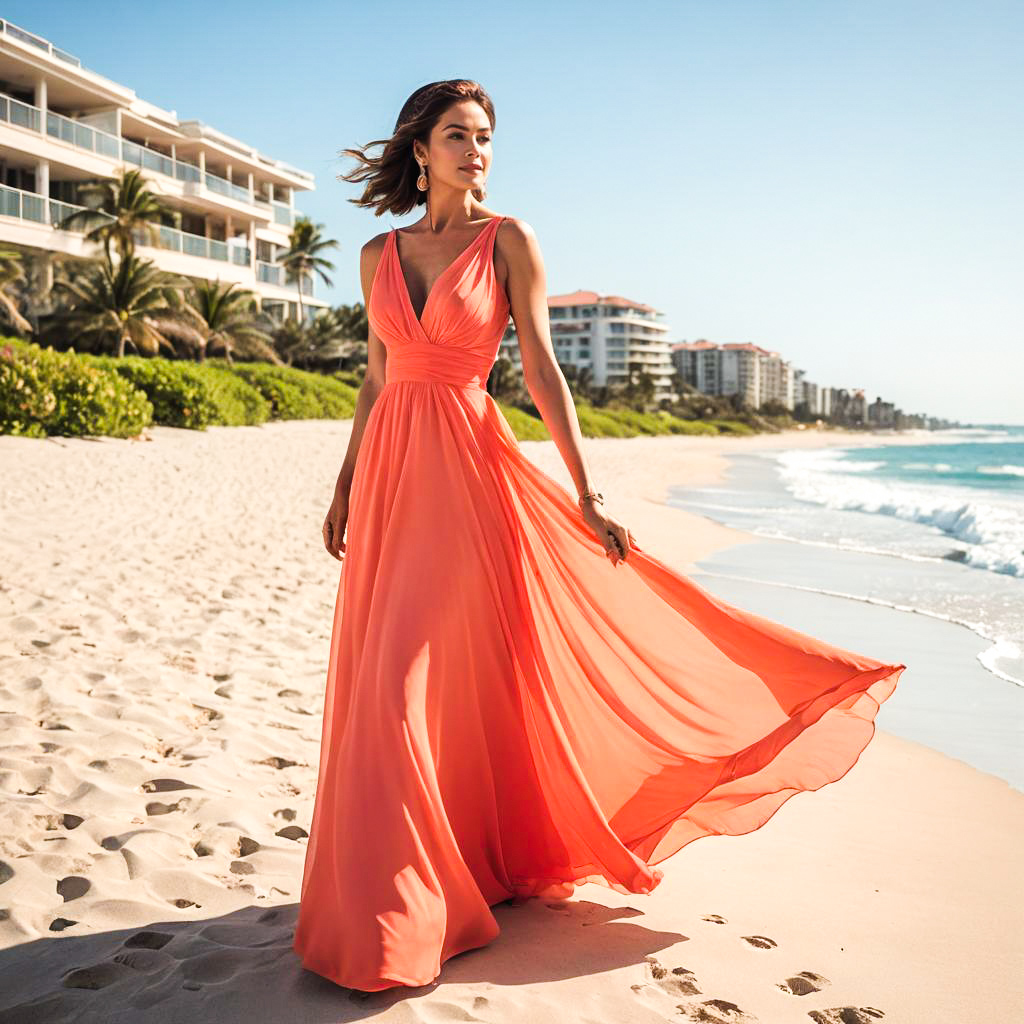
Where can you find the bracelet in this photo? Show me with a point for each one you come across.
(596, 495)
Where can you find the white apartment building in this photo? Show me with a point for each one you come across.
(605, 334)
(62, 125)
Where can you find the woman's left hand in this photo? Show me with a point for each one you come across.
(616, 538)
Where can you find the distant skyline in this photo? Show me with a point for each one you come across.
(837, 181)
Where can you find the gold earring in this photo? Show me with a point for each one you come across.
(421, 181)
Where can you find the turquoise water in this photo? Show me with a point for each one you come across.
(988, 466)
(938, 527)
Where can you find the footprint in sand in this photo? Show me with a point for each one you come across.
(72, 887)
(681, 981)
(96, 976)
(158, 808)
(760, 941)
(292, 832)
(165, 785)
(804, 983)
(846, 1015)
(58, 924)
(278, 762)
(718, 1011)
(148, 940)
(714, 919)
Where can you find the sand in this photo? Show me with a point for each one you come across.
(165, 611)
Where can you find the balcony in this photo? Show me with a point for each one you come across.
(32, 207)
(23, 205)
(95, 140)
(273, 273)
(198, 245)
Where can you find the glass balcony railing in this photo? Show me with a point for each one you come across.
(269, 273)
(84, 136)
(24, 205)
(22, 114)
(273, 273)
(197, 245)
(29, 206)
(282, 213)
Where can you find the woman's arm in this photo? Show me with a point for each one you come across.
(369, 390)
(527, 293)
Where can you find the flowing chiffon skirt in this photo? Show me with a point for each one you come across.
(507, 714)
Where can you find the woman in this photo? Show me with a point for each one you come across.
(519, 698)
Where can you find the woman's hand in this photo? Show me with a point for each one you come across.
(334, 524)
(616, 538)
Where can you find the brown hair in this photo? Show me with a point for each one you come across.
(391, 177)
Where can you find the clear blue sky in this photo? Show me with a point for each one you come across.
(839, 180)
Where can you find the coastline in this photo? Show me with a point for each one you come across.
(166, 608)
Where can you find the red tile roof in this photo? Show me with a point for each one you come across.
(584, 298)
(746, 346)
(694, 346)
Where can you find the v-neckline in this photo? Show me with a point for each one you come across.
(433, 288)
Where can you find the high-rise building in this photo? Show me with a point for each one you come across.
(607, 335)
(757, 374)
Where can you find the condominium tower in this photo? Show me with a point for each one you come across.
(606, 335)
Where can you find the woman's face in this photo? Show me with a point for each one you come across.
(459, 154)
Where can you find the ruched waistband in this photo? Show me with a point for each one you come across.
(438, 364)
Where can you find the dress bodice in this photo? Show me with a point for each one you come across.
(456, 338)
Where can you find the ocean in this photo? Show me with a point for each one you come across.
(935, 528)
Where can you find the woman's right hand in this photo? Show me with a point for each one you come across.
(334, 525)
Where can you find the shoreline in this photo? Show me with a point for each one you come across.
(165, 615)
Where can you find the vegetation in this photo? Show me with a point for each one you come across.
(127, 344)
(46, 392)
(118, 211)
(228, 321)
(131, 302)
(303, 257)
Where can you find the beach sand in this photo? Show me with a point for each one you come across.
(165, 613)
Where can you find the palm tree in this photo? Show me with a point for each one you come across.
(227, 318)
(323, 340)
(302, 258)
(131, 303)
(12, 272)
(118, 210)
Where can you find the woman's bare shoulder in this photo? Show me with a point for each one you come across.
(373, 247)
(516, 236)
(371, 252)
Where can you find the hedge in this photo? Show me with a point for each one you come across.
(46, 392)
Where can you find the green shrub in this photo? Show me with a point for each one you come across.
(180, 392)
(601, 423)
(45, 392)
(350, 377)
(732, 427)
(191, 395)
(525, 426)
(239, 404)
(297, 394)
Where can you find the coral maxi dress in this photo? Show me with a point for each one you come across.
(507, 714)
